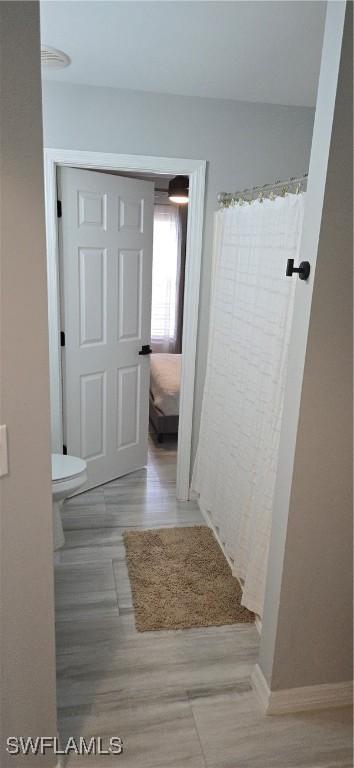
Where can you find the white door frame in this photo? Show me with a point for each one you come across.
(195, 169)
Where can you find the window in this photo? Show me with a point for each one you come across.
(165, 278)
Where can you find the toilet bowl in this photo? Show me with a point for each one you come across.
(68, 475)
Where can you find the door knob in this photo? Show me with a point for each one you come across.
(145, 350)
(303, 270)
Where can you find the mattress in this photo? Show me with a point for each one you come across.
(165, 378)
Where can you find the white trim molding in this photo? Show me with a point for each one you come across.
(310, 697)
(195, 169)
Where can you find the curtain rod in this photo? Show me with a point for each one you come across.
(267, 191)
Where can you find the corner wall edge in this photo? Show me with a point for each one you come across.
(310, 697)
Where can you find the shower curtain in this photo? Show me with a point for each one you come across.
(250, 321)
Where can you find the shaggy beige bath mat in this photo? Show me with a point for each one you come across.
(180, 578)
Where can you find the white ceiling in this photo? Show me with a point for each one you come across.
(266, 51)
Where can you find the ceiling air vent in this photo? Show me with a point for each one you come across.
(51, 58)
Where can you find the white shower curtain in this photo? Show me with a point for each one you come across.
(250, 321)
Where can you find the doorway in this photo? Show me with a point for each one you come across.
(122, 246)
(195, 169)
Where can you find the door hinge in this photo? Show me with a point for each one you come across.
(62, 338)
(59, 209)
(65, 450)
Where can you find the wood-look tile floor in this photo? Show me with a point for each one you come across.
(178, 699)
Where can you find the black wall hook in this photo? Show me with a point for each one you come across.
(303, 270)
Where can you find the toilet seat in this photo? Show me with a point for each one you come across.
(69, 475)
(66, 467)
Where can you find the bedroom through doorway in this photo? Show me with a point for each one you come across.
(167, 304)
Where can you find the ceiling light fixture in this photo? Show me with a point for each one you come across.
(52, 58)
(178, 190)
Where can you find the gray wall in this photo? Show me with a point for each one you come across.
(307, 628)
(244, 144)
(26, 550)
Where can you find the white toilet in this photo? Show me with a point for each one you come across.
(68, 475)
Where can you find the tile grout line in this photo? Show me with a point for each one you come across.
(197, 732)
(115, 588)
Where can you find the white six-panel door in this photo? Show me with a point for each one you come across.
(106, 233)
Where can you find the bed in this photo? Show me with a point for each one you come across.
(165, 378)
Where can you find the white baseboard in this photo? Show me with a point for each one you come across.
(260, 686)
(325, 696)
